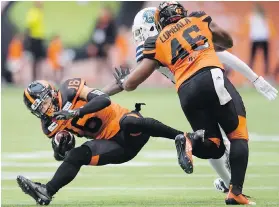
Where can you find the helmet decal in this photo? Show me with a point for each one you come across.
(148, 16)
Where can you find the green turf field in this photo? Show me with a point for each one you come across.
(153, 178)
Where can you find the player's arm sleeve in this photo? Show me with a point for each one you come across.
(96, 101)
(237, 64)
(149, 48)
(47, 127)
(139, 52)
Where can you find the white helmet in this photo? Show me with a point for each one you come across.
(144, 25)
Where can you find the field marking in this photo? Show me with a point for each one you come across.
(147, 188)
(127, 164)
(164, 154)
(168, 154)
(6, 175)
(254, 137)
(27, 155)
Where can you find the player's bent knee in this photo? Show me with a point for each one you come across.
(241, 132)
(131, 123)
(218, 153)
(79, 156)
(219, 150)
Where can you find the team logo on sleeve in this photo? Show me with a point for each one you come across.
(148, 16)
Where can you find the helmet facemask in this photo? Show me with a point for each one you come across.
(141, 33)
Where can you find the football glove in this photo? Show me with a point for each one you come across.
(265, 88)
(65, 115)
(120, 75)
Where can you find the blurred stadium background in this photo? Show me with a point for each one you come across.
(73, 47)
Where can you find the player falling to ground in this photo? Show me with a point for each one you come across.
(144, 27)
(117, 134)
(187, 45)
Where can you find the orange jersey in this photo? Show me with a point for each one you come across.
(103, 124)
(184, 47)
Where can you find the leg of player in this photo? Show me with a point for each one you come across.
(236, 130)
(135, 123)
(222, 168)
(94, 152)
(66, 172)
(219, 165)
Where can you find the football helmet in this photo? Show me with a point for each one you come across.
(36, 94)
(168, 12)
(144, 25)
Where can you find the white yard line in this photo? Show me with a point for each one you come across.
(148, 188)
(254, 137)
(128, 164)
(47, 175)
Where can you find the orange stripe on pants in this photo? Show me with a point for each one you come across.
(137, 116)
(94, 160)
(241, 132)
(216, 141)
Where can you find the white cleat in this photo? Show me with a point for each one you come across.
(219, 184)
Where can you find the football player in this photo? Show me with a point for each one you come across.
(144, 27)
(187, 46)
(117, 134)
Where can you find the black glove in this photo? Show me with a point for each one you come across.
(65, 115)
(63, 147)
(120, 75)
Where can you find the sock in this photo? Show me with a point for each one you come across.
(68, 170)
(219, 166)
(239, 154)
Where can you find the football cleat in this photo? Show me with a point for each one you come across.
(220, 185)
(37, 191)
(184, 149)
(240, 199)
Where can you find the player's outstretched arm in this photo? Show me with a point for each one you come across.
(112, 89)
(260, 84)
(116, 87)
(235, 63)
(140, 74)
(221, 39)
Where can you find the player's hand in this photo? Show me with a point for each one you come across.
(265, 88)
(120, 75)
(60, 149)
(65, 115)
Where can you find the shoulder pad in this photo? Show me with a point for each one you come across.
(197, 14)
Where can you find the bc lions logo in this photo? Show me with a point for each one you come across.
(148, 16)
